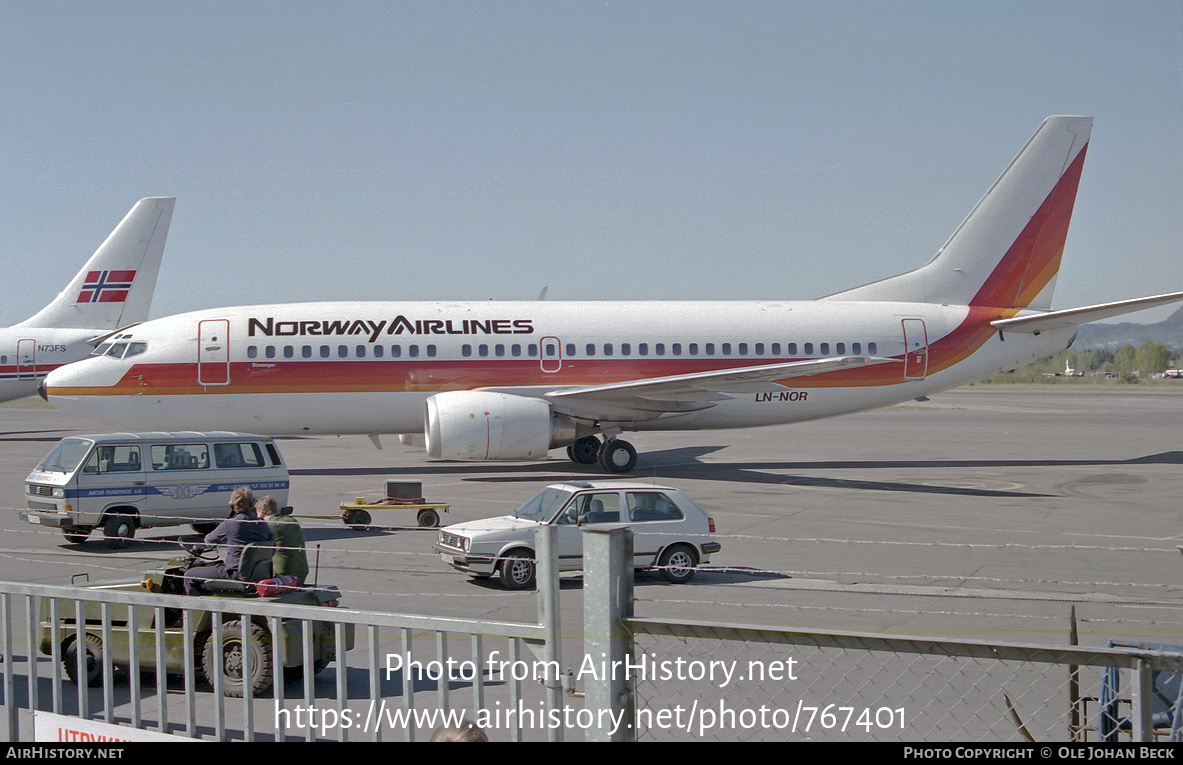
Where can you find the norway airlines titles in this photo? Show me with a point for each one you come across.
(514, 380)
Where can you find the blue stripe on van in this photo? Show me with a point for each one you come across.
(170, 490)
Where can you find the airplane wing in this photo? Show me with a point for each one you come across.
(1071, 317)
(680, 394)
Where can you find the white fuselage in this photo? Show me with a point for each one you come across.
(28, 354)
(366, 367)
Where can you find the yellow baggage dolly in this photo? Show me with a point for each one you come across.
(400, 495)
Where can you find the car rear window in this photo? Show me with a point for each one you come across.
(651, 506)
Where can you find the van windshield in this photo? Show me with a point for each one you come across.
(543, 505)
(66, 456)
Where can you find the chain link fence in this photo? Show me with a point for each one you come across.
(750, 684)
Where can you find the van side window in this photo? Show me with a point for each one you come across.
(180, 456)
(114, 459)
(238, 455)
(271, 450)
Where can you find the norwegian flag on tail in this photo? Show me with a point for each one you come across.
(106, 287)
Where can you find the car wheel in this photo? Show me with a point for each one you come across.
(677, 563)
(94, 660)
(119, 528)
(517, 570)
(229, 659)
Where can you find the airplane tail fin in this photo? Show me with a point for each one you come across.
(114, 288)
(1007, 253)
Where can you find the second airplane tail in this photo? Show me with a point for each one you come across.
(114, 288)
(1007, 253)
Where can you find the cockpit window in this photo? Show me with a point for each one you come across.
(135, 349)
(101, 350)
(116, 350)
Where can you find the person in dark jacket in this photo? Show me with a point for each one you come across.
(241, 528)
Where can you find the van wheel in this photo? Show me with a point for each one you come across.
(75, 535)
(94, 660)
(230, 659)
(119, 528)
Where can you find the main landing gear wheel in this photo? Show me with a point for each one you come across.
(585, 451)
(618, 456)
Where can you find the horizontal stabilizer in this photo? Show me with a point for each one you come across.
(1072, 317)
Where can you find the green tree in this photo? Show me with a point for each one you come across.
(1125, 362)
(1152, 358)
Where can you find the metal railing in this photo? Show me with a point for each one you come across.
(370, 693)
(641, 678)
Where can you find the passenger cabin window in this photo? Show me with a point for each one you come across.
(238, 455)
(180, 457)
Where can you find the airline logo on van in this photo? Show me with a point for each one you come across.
(184, 491)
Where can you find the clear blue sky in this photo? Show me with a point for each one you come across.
(474, 150)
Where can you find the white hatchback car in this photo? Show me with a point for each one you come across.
(670, 531)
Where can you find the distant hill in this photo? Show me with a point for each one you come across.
(1113, 336)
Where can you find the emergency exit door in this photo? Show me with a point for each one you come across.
(550, 352)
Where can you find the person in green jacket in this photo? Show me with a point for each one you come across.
(289, 559)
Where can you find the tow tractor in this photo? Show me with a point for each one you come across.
(253, 585)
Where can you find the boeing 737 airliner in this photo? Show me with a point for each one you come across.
(511, 381)
(111, 292)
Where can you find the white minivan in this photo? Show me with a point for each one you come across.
(123, 481)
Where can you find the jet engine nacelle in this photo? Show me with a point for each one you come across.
(481, 425)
